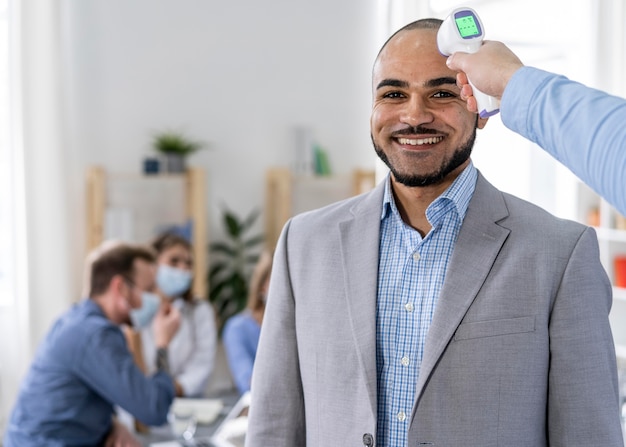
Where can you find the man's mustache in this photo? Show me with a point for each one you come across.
(417, 130)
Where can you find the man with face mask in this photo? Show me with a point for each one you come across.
(83, 367)
(434, 310)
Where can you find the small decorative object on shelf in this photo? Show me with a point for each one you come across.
(322, 165)
(593, 217)
(620, 271)
(151, 166)
(175, 147)
(620, 222)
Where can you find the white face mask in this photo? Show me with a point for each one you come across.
(143, 316)
(172, 281)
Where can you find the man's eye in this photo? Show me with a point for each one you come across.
(393, 95)
(444, 95)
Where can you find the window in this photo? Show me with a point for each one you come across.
(6, 227)
(8, 192)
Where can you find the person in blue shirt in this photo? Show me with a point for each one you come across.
(83, 367)
(241, 332)
(581, 127)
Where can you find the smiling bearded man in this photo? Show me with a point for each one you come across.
(435, 309)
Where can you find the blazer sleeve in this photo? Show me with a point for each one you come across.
(277, 410)
(583, 390)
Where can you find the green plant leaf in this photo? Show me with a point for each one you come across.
(250, 220)
(224, 248)
(254, 241)
(252, 259)
(173, 142)
(232, 263)
(233, 225)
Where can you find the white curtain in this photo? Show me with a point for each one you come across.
(14, 305)
(40, 221)
(45, 161)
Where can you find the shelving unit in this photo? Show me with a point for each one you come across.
(136, 208)
(287, 194)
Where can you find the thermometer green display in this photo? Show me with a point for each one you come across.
(467, 26)
(463, 31)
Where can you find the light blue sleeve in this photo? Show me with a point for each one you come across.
(239, 337)
(583, 128)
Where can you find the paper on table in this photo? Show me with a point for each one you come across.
(232, 430)
(206, 410)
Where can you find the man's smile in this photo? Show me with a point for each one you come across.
(419, 141)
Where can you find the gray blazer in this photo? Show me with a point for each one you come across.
(519, 352)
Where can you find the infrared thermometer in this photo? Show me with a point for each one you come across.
(463, 31)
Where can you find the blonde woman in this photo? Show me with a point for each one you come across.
(241, 332)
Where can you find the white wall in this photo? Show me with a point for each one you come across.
(238, 75)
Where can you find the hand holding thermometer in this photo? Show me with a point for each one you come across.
(463, 31)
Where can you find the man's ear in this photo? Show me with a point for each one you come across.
(481, 122)
(118, 285)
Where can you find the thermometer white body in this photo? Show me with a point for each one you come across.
(463, 31)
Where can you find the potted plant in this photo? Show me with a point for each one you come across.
(232, 263)
(175, 147)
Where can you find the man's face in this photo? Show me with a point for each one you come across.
(420, 127)
(142, 281)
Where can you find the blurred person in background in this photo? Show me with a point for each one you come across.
(241, 332)
(83, 368)
(192, 350)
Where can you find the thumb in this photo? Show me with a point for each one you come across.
(456, 61)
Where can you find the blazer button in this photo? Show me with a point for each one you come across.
(368, 440)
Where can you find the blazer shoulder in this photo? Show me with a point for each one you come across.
(527, 214)
(489, 204)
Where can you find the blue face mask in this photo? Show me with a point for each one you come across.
(143, 316)
(173, 282)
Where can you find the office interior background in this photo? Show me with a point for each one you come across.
(88, 82)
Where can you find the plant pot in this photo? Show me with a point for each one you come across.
(174, 163)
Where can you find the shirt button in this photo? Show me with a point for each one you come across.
(401, 416)
(405, 361)
(409, 307)
(416, 256)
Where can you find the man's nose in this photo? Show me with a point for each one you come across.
(416, 111)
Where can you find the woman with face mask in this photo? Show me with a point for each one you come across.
(192, 350)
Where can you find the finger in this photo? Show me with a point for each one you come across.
(472, 105)
(461, 79)
(455, 60)
(467, 91)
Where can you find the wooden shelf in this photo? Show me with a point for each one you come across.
(287, 194)
(135, 208)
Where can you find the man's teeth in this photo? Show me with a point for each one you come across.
(420, 141)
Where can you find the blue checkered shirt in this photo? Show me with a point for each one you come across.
(411, 272)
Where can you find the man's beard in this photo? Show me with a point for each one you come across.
(460, 156)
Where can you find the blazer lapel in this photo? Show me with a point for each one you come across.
(359, 249)
(475, 251)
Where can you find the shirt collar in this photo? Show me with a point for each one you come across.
(459, 193)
